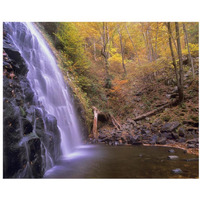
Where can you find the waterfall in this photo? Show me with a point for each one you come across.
(47, 82)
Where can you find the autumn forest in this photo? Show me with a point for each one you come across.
(113, 64)
(101, 99)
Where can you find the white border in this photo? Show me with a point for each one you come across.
(101, 10)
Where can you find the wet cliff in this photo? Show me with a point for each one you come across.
(31, 138)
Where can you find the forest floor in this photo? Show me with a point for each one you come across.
(142, 96)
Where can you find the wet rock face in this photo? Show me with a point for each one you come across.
(31, 139)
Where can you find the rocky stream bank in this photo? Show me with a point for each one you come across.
(171, 134)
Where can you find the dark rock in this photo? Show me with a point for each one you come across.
(16, 56)
(154, 139)
(181, 140)
(193, 141)
(30, 135)
(171, 151)
(143, 131)
(177, 171)
(191, 146)
(35, 157)
(172, 157)
(181, 132)
(161, 140)
(168, 135)
(168, 127)
(175, 136)
(136, 140)
(171, 142)
(28, 128)
(102, 136)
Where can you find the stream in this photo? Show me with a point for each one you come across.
(104, 161)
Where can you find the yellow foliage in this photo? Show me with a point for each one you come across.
(115, 58)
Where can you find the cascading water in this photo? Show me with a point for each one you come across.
(47, 82)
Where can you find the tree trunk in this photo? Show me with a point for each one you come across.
(172, 52)
(181, 96)
(133, 45)
(94, 130)
(95, 51)
(156, 55)
(105, 54)
(146, 42)
(187, 44)
(150, 44)
(122, 51)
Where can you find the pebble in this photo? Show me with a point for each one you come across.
(177, 171)
(171, 151)
(173, 157)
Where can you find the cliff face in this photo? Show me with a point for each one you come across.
(31, 139)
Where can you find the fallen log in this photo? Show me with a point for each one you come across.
(115, 122)
(155, 111)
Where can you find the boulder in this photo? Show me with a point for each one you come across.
(193, 141)
(153, 139)
(181, 132)
(175, 136)
(169, 126)
(191, 146)
(161, 140)
(136, 140)
(181, 140)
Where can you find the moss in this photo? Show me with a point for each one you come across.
(23, 113)
(166, 118)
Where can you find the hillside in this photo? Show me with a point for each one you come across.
(127, 70)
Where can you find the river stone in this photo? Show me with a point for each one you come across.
(173, 157)
(161, 140)
(193, 141)
(191, 146)
(177, 171)
(175, 136)
(169, 126)
(136, 140)
(181, 132)
(181, 140)
(168, 135)
(154, 139)
(171, 151)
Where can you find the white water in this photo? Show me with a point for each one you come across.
(48, 83)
